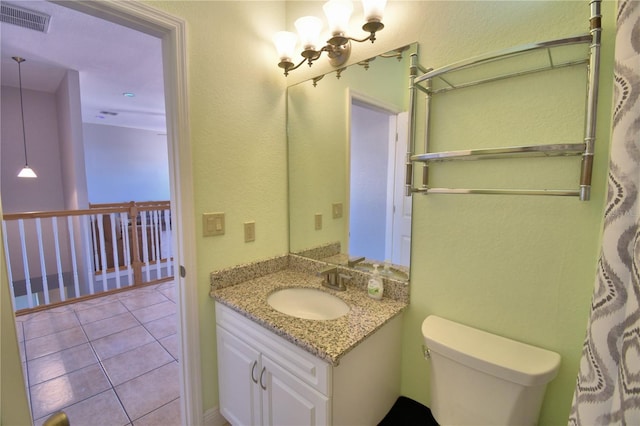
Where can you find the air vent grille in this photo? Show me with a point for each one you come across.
(26, 18)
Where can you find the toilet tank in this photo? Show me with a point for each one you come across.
(479, 378)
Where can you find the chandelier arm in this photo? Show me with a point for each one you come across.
(326, 48)
(371, 37)
(310, 60)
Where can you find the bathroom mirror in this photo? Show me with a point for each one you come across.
(346, 170)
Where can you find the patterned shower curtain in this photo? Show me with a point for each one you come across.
(608, 385)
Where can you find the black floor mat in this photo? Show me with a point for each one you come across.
(407, 412)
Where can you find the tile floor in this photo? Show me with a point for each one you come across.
(106, 361)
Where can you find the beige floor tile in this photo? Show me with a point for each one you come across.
(23, 318)
(103, 409)
(24, 374)
(96, 313)
(91, 303)
(50, 311)
(154, 312)
(64, 372)
(66, 390)
(167, 415)
(120, 342)
(104, 327)
(169, 291)
(172, 345)
(21, 348)
(143, 300)
(163, 327)
(136, 292)
(150, 391)
(49, 324)
(56, 342)
(20, 331)
(60, 363)
(131, 364)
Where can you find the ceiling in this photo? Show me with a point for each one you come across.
(110, 59)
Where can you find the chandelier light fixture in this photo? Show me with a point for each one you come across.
(338, 47)
(26, 171)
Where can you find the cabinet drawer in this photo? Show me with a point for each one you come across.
(308, 368)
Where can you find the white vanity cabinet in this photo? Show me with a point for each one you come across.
(239, 397)
(264, 379)
(253, 386)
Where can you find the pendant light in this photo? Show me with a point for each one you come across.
(26, 172)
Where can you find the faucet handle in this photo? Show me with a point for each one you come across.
(343, 279)
(329, 274)
(333, 279)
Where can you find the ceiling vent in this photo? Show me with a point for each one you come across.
(26, 18)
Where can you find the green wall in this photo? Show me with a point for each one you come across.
(237, 120)
(522, 267)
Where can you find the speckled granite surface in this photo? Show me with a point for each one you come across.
(328, 340)
(395, 289)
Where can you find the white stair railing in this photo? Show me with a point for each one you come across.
(60, 256)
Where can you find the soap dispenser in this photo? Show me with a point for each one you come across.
(375, 288)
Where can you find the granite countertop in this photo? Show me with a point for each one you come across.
(326, 339)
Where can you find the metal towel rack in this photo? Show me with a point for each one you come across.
(436, 81)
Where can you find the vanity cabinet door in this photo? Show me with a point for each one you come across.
(286, 400)
(238, 374)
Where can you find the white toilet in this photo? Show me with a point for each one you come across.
(478, 378)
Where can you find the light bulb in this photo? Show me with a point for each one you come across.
(338, 14)
(285, 42)
(373, 9)
(309, 28)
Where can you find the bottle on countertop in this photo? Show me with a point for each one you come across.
(386, 270)
(375, 288)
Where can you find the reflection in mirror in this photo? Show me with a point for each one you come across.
(346, 171)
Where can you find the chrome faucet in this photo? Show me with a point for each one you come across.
(333, 279)
(353, 261)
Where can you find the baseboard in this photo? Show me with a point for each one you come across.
(212, 417)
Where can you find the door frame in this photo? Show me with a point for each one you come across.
(172, 31)
(392, 111)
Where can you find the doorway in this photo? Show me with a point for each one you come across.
(379, 215)
(172, 33)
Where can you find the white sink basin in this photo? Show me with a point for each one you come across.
(307, 303)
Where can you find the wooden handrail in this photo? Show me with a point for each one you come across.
(103, 209)
(138, 203)
(60, 213)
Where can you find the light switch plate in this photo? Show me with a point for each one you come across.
(249, 232)
(212, 224)
(318, 221)
(337, 210)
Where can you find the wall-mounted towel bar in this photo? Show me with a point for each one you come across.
(580, 50)
(552, 54)
(556, 192)
(551, 150)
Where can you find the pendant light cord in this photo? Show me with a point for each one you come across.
(24, 136)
